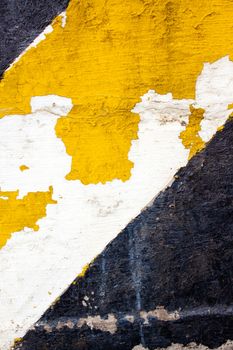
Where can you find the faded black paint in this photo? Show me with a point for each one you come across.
(21, 21)
(178, 253)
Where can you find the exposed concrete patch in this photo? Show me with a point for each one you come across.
(108, 324)
(139, 347)
(227, 346)
(161, 314)
(192, 346)
(96, 322)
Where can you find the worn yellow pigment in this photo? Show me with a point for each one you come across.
(109, 53)
(84, 269)
(23, 167)
(83, 272)
(17, 341)
(15, 214)
(190, 136)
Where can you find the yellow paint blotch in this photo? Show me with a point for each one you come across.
(101, 144)
(190, 137)
(23, 167)
(108, 54)
(15, 214)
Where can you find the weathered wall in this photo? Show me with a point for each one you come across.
(101, 103)
(166, 278)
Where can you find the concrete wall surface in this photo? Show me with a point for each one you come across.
(116, 174)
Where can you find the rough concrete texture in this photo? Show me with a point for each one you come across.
(192, 346)
(173, 263)
(21, 22)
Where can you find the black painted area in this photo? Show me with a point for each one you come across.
(21, 21)
(210, 330)
(178, 254)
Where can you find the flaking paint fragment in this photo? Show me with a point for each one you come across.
(96, 322)
(23, 167)
(191, 346)
(190, 136)
(136, 81)
(108, 324)
(15, 214)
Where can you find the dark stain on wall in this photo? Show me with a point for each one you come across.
(167, 277)
(21, 21)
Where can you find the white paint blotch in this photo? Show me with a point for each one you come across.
(63, 19)
(31, 140)
(214, 92)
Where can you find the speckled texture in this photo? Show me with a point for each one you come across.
(177, 255)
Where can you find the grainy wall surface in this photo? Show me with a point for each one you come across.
(21, 22)
(101, 103)
(166, 278)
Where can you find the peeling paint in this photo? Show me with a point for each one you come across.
(98, 33)
(139, 347)
(120, 151)
(16, 214)
(190, 137)
(105, 325)
(23, 167)
(160, 313)
(108, 324)
(89, 215)
(191, 346)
